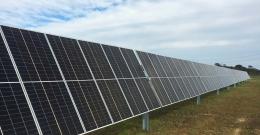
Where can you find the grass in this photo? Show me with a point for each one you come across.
(233, 112)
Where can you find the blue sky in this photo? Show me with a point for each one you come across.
(224, 31)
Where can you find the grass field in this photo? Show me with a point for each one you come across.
(233, 112)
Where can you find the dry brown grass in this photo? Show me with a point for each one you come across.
(233, 112)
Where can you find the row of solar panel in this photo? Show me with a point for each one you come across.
(57, 85)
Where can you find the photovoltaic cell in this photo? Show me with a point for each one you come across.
(63, 108)
(166, 66)
(133, 96)
(117, 61)
(183, 87)
(43, 109)
(15, 115)
(114, 98)
(177, 88)
(7, 72)
(170, 90)
(70, 58)
(97, 60)
(148, 94)
(173, 67)
(41, 55)
(20, 53)
(189, 86)
(133, 63)
(163, 96)
(194, 85)
(180, 67)
(147, 64)
(199, 84)
(89, 103)
(157, 65)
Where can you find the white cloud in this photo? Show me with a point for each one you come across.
(156, 23)
(144, 24)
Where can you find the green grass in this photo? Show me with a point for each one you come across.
(233, 112)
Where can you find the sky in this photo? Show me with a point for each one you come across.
(206, 31)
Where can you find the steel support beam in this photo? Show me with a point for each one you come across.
(198, 100)
(145, 118)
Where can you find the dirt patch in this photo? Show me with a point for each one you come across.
(254, 123)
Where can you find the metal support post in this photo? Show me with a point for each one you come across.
(228, 87)
(198, 100)
(217, 92)
(235, 85)
(145, 117)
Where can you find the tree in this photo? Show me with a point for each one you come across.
(218, 64)
(238, 66)
(250, 66)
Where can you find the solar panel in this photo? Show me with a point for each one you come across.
(97, 60)
(117, 61)
(132, 61)
(150, 96)
(21, 54)
(56, 85)
(135, 99)
(58, 105)
(15, 115)
(161, 92)
(69, 57)
(89, 98)
(7, 72)
(114, 99)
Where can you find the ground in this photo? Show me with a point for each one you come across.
(233, 112)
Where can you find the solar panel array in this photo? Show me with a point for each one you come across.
(57, 85)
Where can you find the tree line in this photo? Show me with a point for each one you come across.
(252, 71)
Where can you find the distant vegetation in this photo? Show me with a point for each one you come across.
(250, 69)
